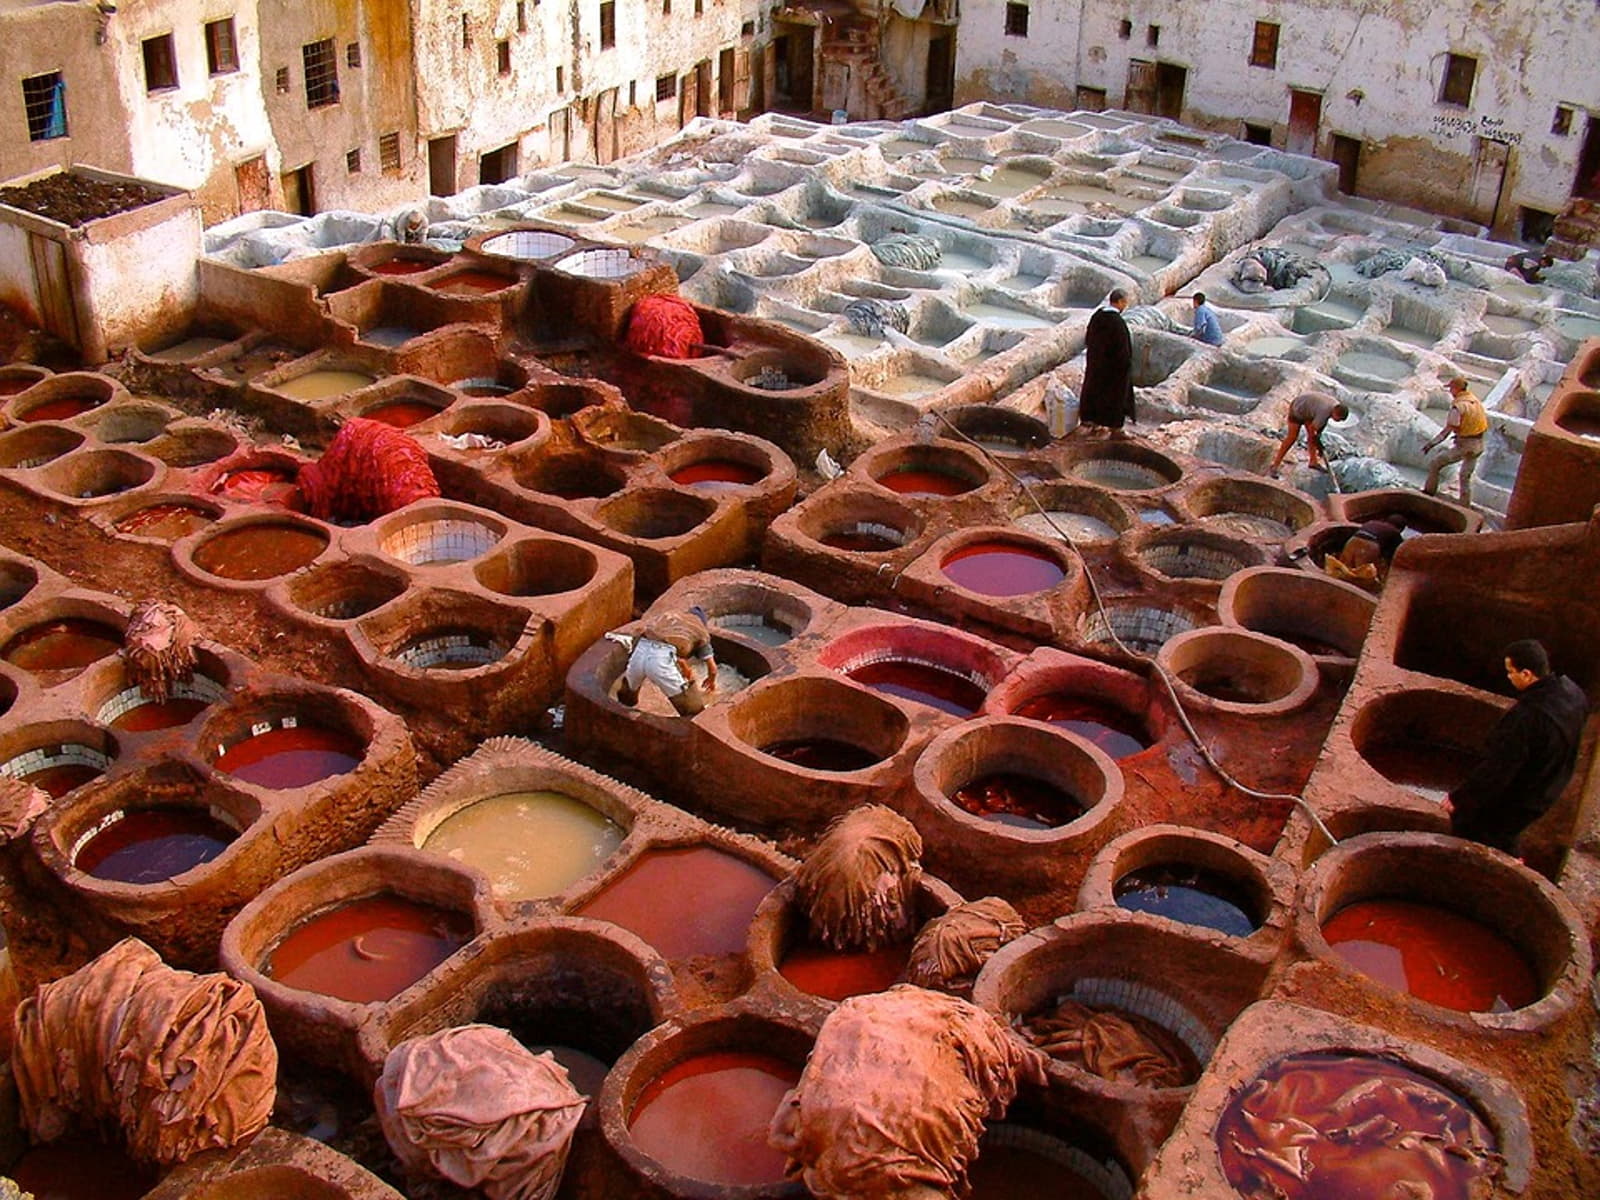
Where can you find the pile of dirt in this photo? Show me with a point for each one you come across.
(76, 199)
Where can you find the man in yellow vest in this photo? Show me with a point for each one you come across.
(1468, 421)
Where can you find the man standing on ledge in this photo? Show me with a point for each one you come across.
(1206, 326)
(1108, 368)
(662, 653)
(1468, 421)
(1310, 411)
(1529, 756)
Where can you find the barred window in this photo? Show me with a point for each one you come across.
(666, 87)
(389, 152)
(45, 99)
(352, 55)
(1264, 46)
(222, 49)
(322, 73)
(352, 161)
(281, 80)
(160, 64)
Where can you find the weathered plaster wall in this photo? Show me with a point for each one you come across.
(17, 290)
(142, 282)
(1379, 73)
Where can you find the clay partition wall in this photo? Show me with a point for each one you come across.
(1556, 483)
(274, 1162)
(77, 728)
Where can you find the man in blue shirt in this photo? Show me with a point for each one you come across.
(1206, 326)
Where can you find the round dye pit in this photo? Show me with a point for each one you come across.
(717, 475)
(1190, 894)
(1067, 525)
(1118, 733)
(839, 974)
(369, 950)
(1002, 569)
(1016, 1163)
(926, 683)
(63, 408)
(255, 552)
(1432, 953)
(822, 754)
(402, 414)
(291, 756)
(913, 482)
(324, 384)
(165, 522)
(1335, 1127)
(401, 266)
(1019, 801)
(472, 283)
(706, 1118)
(151, 845)
(59, 769)
(763, 628)
(529, 844)
(450, 650)
(1101, 1037)
(686, 903)
(77, 1168)
(865, 538)
(131, 711)
(57, 650)
(1431, 769)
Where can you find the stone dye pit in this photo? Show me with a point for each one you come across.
(399, 794)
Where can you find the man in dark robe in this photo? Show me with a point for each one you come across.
(1108, 371)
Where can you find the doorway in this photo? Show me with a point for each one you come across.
(497, 166)
(1488, 180)
(794, 74)
(702, 89)
(727, 102)
(1587, 184)
(1141, 92)
(299, 192)
(442, 166)
(250, 181)
(1347, 155)
(941, 73)
(1305, 114)
(1170, 80)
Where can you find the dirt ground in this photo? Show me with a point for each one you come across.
(76, 200)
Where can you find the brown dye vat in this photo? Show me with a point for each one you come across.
(1583, 426)
(292, 757)
(257, 552)
(326, 382)
(821, 754)
(472, 283)
(369, 950)
(401, 266)
(912, 482)
(58, 650)
(717, 475)
(861, 541)
(12, 385)
(78, 1168)
(1190, 894)
(482, 387)
(1019, 801)
(165, 522)
(840, 974)
(1433, 954)
(62, 409)
(56, 782)
(706, 1118)
(151, 845)
(926, 683)
(169, 714)
(1334, 1127)
(1431, 769)
(1118, 733)
(530, 844)
(1002, 569)
(402, 414)
(685, 903)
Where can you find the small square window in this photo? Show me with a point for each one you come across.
(1459, 72)
(322, 73)
(633, 92)
(160, 64)
(1152, 35)
(561, 79)
(1264, 45)
(502, 56)
(352, 161)
(1124, 29)
(522, 16)
(1561, 124)
(1536, 225)
(44, 97)
(608, 24)
(352, 54)
(666, 87)
(389, 152)
(466, 31)
(280, 80)
(1016, 20)
(748, 29)
(222, 49)
(1258, 135)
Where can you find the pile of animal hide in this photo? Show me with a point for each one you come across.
(951, 949)
(873, 318)
(1116, 1046)
(858, 886)
(664, 326)
(913, 251)
(158, 648)
(369, 469)
(21, 804)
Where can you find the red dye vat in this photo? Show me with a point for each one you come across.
(167, 522)
(1117, 733)
(62, 409)
(56, 782)
(76, 1168)
(150, 845)
(401, 266)
(260, 551)
(912, 482)
(1433, 953)
(840, 974)
(179, 710)
(861, 541)
(717, 475)
(368, 950)
(707, 1118)
(821, 754)
(267, 485)
(686, 903)
(1430, 769)
(1337, 1127)
(20, 383)
(60, 649)
(473, 283)
(291, 758)
(926, 683)
(402, 414)
(1019, 801)
(1002, 569)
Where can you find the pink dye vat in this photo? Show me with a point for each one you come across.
(1114, 731)
(368, 950)
(1002, 569)
(926, 683)
(707, 1118)
(291, 758)
(685, 903)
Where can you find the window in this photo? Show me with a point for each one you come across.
(699, 8)
(1562, 122)
(561, 80)
(281, 80)
(1152, 35)
(222, 50)
(1536, 225)
(1264, 47)
(466, 31)
(1016, 20)
(1092, 99)
(502, 56)
(1258, 135)
(633, 92)
(352, 55)
(45, 99)
(1459, 72)
(666, 87)
(160, 64)
(352, 161)
(666, 8)
(522, 17)
(497, 166)
(608, 24)
(748, 29)
(322, 73)
(389, 152)
(1125, 29)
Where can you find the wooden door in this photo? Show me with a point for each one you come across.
(253, 184)
(1305, 114)
(442, 166)
(1170, 81)
(1489, 161)
(1140, 96)
(57, 312)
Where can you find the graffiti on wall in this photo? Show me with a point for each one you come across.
(1450, 126)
